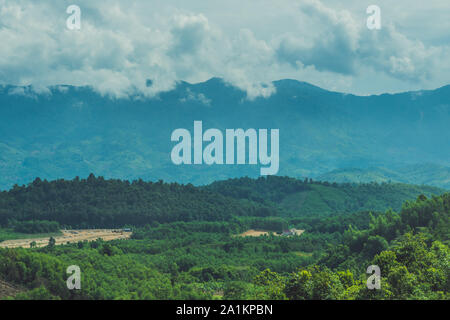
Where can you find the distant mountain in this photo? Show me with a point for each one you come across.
(426, 174)
(73, 131)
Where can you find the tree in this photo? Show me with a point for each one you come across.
(51, 242)
(299, 286)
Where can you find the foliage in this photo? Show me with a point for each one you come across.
(205, 258)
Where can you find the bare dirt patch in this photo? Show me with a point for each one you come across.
(303, 254)
(297, 232)
(258, 233)
(70, 236)
(8, 290)
(254, 233)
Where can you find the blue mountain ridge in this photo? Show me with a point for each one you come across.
(73, 131)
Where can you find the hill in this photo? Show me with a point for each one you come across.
(429, 174)
(73, 131)
(99, 203)
(96, 202)
(307, 197)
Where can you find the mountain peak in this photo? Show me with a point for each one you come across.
(295, 84)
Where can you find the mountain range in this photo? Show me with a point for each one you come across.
(74, 131)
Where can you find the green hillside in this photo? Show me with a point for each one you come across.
(99, 203)
(307, 197)
(428, 174)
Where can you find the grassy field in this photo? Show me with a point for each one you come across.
(10, 234)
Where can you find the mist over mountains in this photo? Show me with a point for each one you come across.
(73, 131)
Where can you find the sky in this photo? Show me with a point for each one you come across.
(122, 44)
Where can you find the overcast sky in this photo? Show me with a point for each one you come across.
(248, 43)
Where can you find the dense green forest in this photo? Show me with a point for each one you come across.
(186, 242)
(97, 202)
(308, 197)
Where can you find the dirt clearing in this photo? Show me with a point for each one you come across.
(8, 290)
(70, 236)
(253, 233)
(297, 232)
(258, 233)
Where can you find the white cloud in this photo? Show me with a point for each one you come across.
(122, 45)
(332, 46)
(199, 97)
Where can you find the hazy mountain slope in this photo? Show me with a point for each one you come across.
(428, 174)
(74, 131)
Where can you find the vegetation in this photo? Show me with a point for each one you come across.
(96, 202)
(198, 255)
(427, 173)
(39, 226)
(307, 197)
(10, 234)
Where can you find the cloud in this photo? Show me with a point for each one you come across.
(332, 48)
(403, 58)
(120, 47)
(199, 97)
(344, 45)
(189, 33)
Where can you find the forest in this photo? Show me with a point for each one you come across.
(96, 202)
(186, 241)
